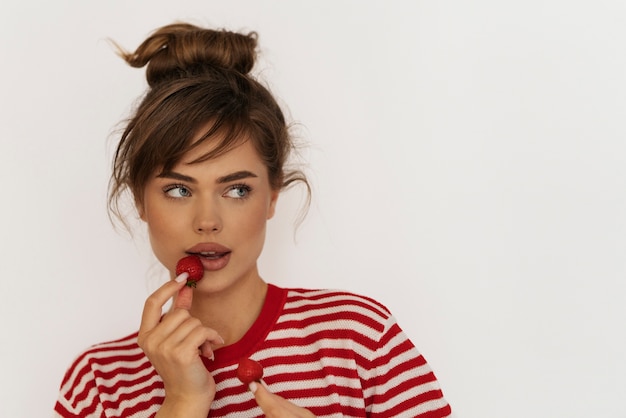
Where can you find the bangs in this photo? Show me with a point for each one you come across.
(225, 136)
(194, 115)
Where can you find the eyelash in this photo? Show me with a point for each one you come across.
(242, 186)
(171, 187)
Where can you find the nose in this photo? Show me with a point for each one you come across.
(207, 217)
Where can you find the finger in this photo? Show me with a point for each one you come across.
(181, 329)
(202, 339)
(260, 393)
(153, 307)
(274, 405)
(206, 349)
(264, 398)
(184, 298)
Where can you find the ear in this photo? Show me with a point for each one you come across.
(272, 206)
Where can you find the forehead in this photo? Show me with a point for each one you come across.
(214, 139)
(243, 156)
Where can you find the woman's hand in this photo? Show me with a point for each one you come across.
(173, 345)
(276, 407)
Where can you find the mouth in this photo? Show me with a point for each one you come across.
(209, 250)
(211, 255)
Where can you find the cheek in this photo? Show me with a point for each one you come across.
(253, 223)
(163, 230)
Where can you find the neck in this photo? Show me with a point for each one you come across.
(230, 311)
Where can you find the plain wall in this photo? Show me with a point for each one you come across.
(467, 159)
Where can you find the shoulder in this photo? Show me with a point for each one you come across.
(122, 347)
(113, 378)
(107, 354)
(334, 298)
(338, 306)
(352, 324)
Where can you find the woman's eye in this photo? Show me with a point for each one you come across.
(239, 191)
(177, 191)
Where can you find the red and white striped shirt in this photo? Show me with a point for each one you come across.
(335, 353)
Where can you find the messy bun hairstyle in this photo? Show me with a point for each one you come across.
(198, 76)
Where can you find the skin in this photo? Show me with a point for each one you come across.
(188, 206)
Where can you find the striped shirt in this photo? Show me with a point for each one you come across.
(335, 353)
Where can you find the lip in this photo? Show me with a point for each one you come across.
(214, 256)
(208, 247)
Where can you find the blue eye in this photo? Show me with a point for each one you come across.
(177, 191)
(238, 191)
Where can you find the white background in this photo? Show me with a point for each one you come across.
(468, 167)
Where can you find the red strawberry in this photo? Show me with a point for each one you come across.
(192, 265)
(249, 371)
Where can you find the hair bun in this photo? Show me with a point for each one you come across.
(183, 49)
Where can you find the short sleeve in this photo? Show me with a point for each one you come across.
(401, 382)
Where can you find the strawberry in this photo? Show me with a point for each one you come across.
(192, 265)
(249, 371)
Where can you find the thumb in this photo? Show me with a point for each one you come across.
(262, 395)
(184, 298)
(274, 405)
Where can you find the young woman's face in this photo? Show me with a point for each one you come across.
(217, 209)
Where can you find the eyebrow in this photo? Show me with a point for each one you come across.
(237, 175)
(175, 176)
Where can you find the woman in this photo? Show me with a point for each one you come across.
(204, 159)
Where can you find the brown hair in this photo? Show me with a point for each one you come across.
(198, 76)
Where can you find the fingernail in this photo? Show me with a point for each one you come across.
(253, 387)
(182, 277)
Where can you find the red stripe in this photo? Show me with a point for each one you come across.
(416, 401)
(314, 338)
(307, 294)
(343, 303)
(62, 411)
(331, 317)
(246, 406)
(141, 391)
(139, 385)
(90, 409)
(332, 409)
(98, 350)
(115, 373)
